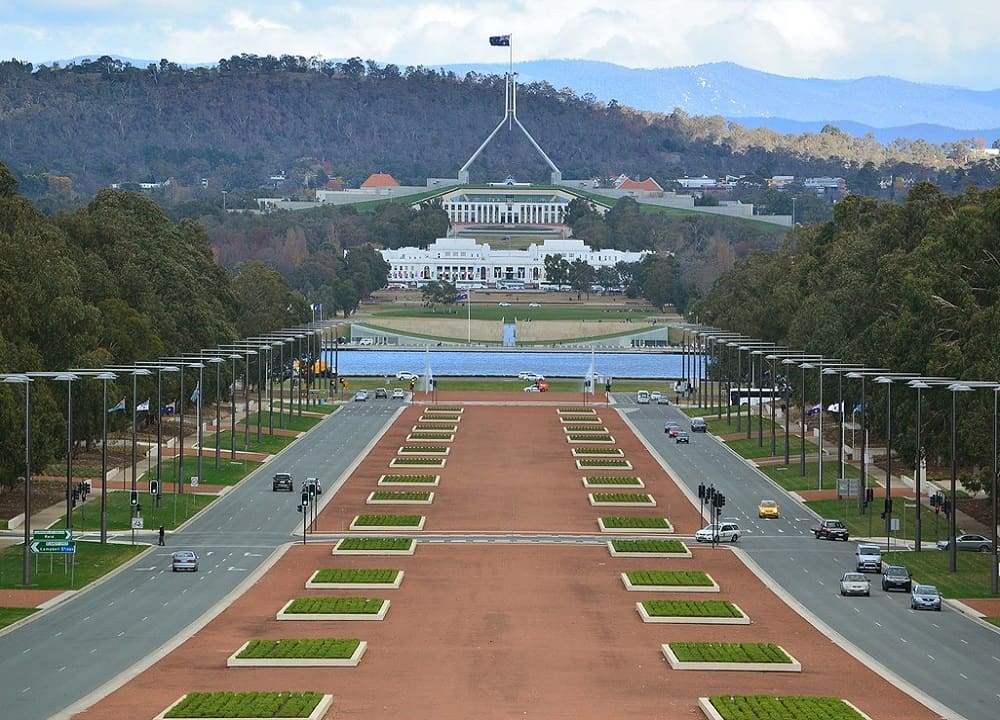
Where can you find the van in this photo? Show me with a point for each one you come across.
(642, 397)
(698, 424)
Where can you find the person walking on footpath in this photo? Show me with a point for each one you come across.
(161, 535)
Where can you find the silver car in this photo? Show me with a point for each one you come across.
(854, 583)
(721, 532)
(184, 560)
(969, 541)
(925, 597)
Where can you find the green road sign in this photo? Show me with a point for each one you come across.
(53, 546)
(61, 535)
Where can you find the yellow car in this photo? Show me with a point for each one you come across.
(768, 509)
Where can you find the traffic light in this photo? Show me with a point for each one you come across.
(154, 487)
(305, 498)
(701, 491)
(134, 498)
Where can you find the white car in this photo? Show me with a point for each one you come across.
(504, 304)
(361, 396)
(398, 394)
(854, 583)
(534, 304)
(406, 375)
(532, 388)
(655, 396)
(530, 376)
(721, 532)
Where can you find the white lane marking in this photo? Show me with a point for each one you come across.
(965, 642)
(963, 676)
(62, 668)
(931, 657)
(26, 689)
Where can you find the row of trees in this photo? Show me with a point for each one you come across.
(913, 287)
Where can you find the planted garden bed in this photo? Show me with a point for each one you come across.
(447, 419)
(377, 521)
(590, 438)
(770, 707)
(305, 652)
(621, 498)
(434, 427)
(669, 581)
(583, 419)
(355, 578)
(423, 450)
(375, 546)
(576, 411)
(611, 481)
(400, 497)
(626, 523)
(417, 462)
(409, 480)
(447, 409)
(645, 547)
(593, 428)
(590, 463)
(433, 436)
(697, 612)
(334, 608)
(757, 657)
(217, 705)
(601, 452)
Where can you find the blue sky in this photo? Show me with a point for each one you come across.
(949, 43)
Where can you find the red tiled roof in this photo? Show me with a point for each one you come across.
(380, 180)
(647, 184)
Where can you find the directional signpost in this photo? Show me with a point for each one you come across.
(44, 547)
(54, 542)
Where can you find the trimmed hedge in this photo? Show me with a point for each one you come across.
(729, 652)
(355, 575)
(584, 429)
(409, 478)
(335, 605)
(439, 462)
(426, 449)
(651, 546)
(326, 648)
(375, 544)
(620, 497)
(618, 452)
(591, 437)
(611, 480)
(425, 435)
(602, 463)
(401, 495)
(787, 707)
(622, 521)
(383, 520)
(580, 419)
(691, 608)
(686, 578)
(246, 705)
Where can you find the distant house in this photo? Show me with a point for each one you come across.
(379, 180)
(647, 185)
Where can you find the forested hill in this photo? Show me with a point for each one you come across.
(66, 132)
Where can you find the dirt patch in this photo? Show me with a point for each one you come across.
(44, 493)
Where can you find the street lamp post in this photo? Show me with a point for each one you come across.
(104, 377)
(954, 388)
(802, 458)
(918, 385)
(887, 381)
(217, 361)
(22, 379)
(232, 409)
(68, 378)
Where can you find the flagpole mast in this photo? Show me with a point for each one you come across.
(468, 306)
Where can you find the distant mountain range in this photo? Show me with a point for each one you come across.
(886, 107)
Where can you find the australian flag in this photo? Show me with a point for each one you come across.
(500, 40)
(462, 296)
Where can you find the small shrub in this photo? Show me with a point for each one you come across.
(400, 495)
(623, 522)
(683, 578)
(611, 480)
(788, 707)
(649, 545)
(325, 648)
(335, 605)
(692, 608)
(388, 520)
(375, 544)
(729, 652)
(355, 575)
(620, 497)
(246, 704)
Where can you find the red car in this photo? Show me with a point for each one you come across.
(671, 429)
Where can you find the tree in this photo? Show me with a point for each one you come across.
(556, 269)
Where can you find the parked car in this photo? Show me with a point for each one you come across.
(534, 305)
(530, 376)
(314, 483)
(381, 393)
(282, 481)
(184, 560)
(698, 424)
(721, 532)
(925, 597)
(854, 583)
(969, 541)
(406, 375)
(831, 530)
(655, 396)
(683, 437)
(398, 394)
(671, 428)
(768, 509)
(896, 577)
(868, 558)
(361, 396)
(504, 304)
(532, 388)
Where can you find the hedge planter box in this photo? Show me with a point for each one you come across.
(425, 436)
(644, 547)
(576, 411)
(435, 427)
(400, 497)
(417, 462)
(249, 706)
(390, 522)
(748, 657)
(444, 419)
(334, 608)
(621, 499)
(327, 652)
(598, 452)
(375, 546)
(592, 429)
(446, 409)
(668, 581)
(410, 480)
(590, 438)
(768, 707)
(583, 419)
(604, 481)
(592, 463)
(691, 612)
(644, 525)
(355, 579)
(423, 450)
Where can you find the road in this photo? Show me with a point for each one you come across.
(50, 664)
(947, 656)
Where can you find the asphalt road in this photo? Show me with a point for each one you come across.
(952, 659)
(48, 665)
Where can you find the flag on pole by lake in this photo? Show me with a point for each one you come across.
(500, 40)
(170, 408)
(428, 375)
(119, 406)
(197, 393)
(815, 409)
(588, 380)
(858, 408)
(143, 406)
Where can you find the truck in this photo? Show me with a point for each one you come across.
(831, 530)
(282, 481)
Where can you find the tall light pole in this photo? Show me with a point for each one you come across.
(22, 379)
(217, 361)
(918, 385)
(887, 381)
(232, 410)
(104, 377)
(68, 378)
(802, 464)
(839, 371)
(954, 388)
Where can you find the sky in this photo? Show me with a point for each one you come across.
(946, 43)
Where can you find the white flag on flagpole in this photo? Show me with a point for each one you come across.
(428, 375)
(588, 384)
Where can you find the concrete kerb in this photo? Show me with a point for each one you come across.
(972, 614)
(848, 647)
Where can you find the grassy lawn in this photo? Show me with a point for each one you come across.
(328, 648)
(93, 561)
(87, 516)
(734, 424)
(752, 449)
(246, 705)
(767, 707)
(931, 566)
(269, 444)
(10, 615)
(230, 471)
(653, 546)
(790, 477)
(492, 311)
(872, 525)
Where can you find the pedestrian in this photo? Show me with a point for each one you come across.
(162, 533)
